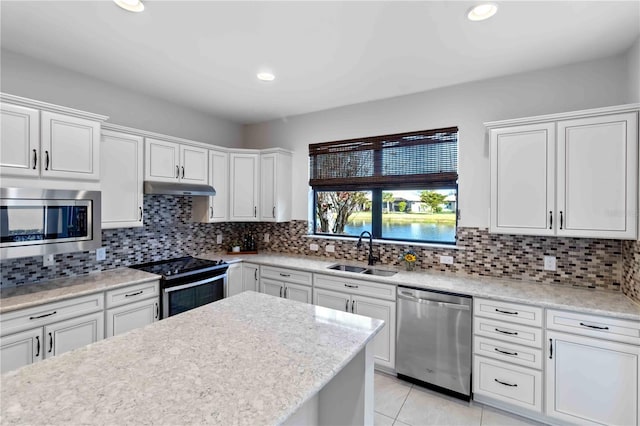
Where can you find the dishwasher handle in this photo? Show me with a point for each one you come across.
(435, 302)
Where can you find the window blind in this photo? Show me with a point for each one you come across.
(426, 159)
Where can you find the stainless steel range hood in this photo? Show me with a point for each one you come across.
(171, 188)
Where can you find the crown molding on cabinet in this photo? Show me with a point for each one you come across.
(32, 103)
(564, 115)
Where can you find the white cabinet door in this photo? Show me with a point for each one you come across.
(598, 176)
(384, 344)
(75, 333)
(132, 316)
(70, 147)
(194, 165)
(268, 187)
(20, 349)
(234, 279)
(523, 179)
(332, 299)
(301, 293)
(591, 380)
(274, 288)
(243, 187)
(19, 141)
(219, 179)
(250, 281)
(121, 163)
(161, 161)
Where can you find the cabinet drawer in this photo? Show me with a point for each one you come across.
(518, 354)
(364, 288)
(595, 326)
(509, 383)
(507, 311)
(288, 275)
(48, 313)
(513, 333)
(132, 293)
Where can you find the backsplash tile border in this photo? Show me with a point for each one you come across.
(168, 232)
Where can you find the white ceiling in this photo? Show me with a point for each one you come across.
(205, 54)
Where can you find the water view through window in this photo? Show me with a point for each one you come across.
(409, 215)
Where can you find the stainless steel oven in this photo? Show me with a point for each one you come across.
(187, 282)
(43, 221)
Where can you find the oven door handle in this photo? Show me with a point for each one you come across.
(197, 283)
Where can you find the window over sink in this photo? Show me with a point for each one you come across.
(400, 187)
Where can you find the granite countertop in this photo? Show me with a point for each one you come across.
(25, 296)
(252, 359)
(554, 296)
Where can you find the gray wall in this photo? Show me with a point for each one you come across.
(633, 64)
(578, 86)
(28, 77)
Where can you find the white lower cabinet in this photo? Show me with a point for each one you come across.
(287, 283)
(234, 280)
(384, 343)
(250, 277)
(132, 316)
(72, 334)
(20, 349)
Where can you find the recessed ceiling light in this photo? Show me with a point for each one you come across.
(266, 76)
(130, 5)
(481, 12)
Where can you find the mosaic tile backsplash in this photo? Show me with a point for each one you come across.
(168, 232)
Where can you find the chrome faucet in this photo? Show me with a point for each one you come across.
(372, 259)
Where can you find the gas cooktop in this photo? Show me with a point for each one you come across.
(181, 266)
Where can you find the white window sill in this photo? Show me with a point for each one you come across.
(395, 242)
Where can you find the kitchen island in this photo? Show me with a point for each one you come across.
(250, 359)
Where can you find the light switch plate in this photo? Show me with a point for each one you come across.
(447, 260)
(313, 247)
(549, 263)
(267, 237)
(330, 248)
(47, 260)
(219, 239)
(101, 253)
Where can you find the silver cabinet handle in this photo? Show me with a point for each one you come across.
(177, 171)
(211, 210)
(182, 172)
(274, 209)
(353, 306)
(255, 274)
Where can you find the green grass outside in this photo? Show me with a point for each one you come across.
(397, 217)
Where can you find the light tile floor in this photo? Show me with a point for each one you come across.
(400, 403)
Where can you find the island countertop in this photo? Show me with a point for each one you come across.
(249, 359)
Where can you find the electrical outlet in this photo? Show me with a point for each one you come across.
(47, 260)
(330, 248)
(101, 253)
(549, 263)
(266, 237)
(313, 247)
(447, 260)
(219, 239)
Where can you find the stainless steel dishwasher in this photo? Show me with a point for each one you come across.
(434, 340)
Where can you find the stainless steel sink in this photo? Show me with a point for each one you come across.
(361, 270)
(347, 268)
(379, 272)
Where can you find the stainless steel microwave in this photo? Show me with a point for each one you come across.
(36, 222)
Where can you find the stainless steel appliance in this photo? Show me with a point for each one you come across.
(37, 222)
(434, 340)
(188, 282)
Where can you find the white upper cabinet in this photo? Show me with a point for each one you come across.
(215, 209)
(522, 179)
(47, 141)
(121, 165)
(573, 174)
(243, 186)
(275, 186)
(19, 141)
(598, 176)
(172, 162)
